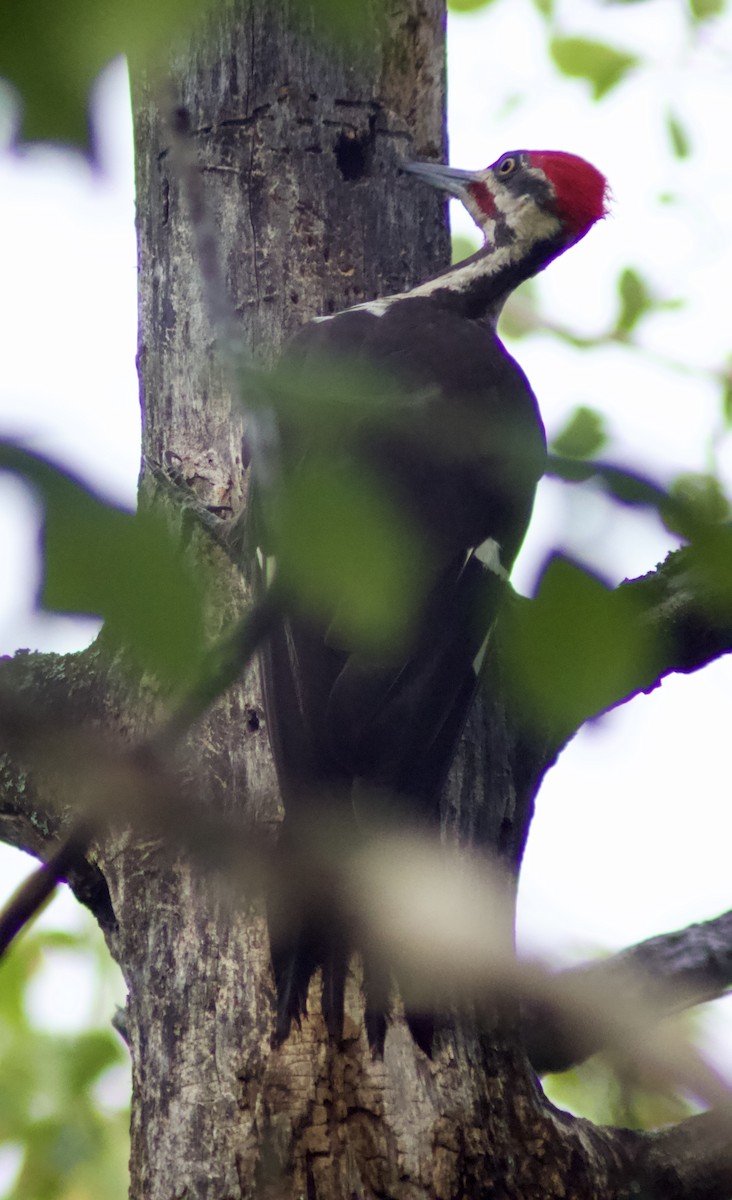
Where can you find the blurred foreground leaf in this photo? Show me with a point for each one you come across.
(125, 567)
(601, 65)
(332, 440)
(463, 246)
(727, 396)
(360, 26)
(321, 404)
(347, 554)
(678, 136)
(630, 488)
(635, 300)
(695, 508)
(520, 315)
(53, 50)
(576, 648)
(468, 6)
(70, 1149)
(703, 495)
(597, 1092)
(701, 10)
(708, 565)
(583, 435)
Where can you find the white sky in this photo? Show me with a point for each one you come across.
(634, 825)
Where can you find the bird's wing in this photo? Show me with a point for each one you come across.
(455, 441)
(460, 453)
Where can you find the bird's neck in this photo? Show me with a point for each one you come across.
(479, 286)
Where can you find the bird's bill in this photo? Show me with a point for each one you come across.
(447, 179)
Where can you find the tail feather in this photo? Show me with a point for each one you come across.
(350, 735)
(376, 986)
(295, 961)
(293, 967)
(334, 970)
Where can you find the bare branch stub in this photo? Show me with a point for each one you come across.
(673, 971)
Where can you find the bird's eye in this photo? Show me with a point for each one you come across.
(507, 165)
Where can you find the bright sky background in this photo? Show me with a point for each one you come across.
(634, 826)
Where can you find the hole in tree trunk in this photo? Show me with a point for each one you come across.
(352, 154)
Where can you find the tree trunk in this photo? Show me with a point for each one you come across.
(298, 141)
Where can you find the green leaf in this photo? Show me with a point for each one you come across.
(727, 397)
(702, 495)
(595, 1091)
(628, 487)
(347, 554)
(47, 1105)
(468, 6)
(125, 567)
(324, 400)
(360, 26)
(575, 649)
(701, 10)
(520, 315)
(635, 301)
(94, 1053)
(51, 51)
(583, 435)
(545, 8)
(707, 566)
(678, 136)
(19, 966)
(463, 247)
(601, 65)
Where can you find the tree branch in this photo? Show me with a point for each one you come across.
(670, 972)
(27, 730)
(32, 895)
(688, 1161)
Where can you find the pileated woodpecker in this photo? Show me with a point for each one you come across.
(344, 725)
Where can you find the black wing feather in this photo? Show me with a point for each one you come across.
(464, 466)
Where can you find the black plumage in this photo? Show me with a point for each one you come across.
(460, 454)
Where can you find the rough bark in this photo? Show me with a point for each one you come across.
(299, 143)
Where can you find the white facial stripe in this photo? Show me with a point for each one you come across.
(377, 308)
(459, 277)
(531, 223)
(489, 553)
(478, 660)
(486, 224)
(528, 222)
(463, 274)
(267, 565)
(527, 219)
